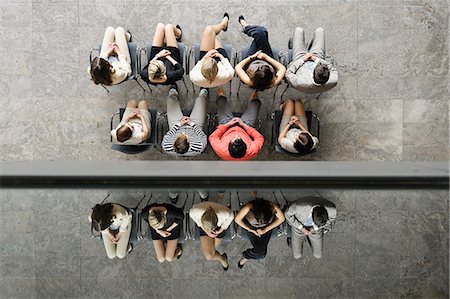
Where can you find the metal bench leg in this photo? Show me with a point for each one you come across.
(185, 86)
(239, 87)
(143, 89)
(107, 90)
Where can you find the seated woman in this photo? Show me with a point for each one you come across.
(259, 70)
(213, 68)
(135, 125)
(294, 135)
(259, 217)
(213, 220)
(164, 66)
(166, 224)
(114, 63)
(114, 222)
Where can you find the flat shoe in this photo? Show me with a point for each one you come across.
(225, 15)
(181, 35)
(228, 265)
(180, 252)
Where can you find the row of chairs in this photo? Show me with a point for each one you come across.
(140, 229)
(187, 54)
(159, 127)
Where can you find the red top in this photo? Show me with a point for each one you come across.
(222, 136)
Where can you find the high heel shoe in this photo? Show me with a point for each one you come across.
(228, 265)
(241, 18)
(240, 265)
(180, 252)
(225, 15)
(181, 34)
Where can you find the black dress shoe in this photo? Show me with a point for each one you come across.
(240, 265)
(290, 43)
(174, 200)
(228, 265)
(289, 241)
(181, 250)
(181, 35)
(225, 15)
(131, 36)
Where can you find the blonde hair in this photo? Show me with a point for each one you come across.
(209, 219)
(156, 69)
(157, 219)
(210, 69)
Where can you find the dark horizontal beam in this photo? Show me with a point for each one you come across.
(225, 175)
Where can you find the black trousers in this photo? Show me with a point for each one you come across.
(259, 249)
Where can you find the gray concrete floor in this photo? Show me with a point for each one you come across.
(391, 103)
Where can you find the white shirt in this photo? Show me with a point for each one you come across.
(291, 136)
(136, 136)
(224, 215)
(225, 74)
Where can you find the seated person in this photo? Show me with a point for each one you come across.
(164, 66)
(259, 70)
(213, 68)
(294, 135)
(114, 63)
(135, 125)
(310, 72)
(235, 138)
(185, 137)
(114, 222)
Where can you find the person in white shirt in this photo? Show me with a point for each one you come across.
(214, 67)
(213, 220)
(294, 134)
(134, 127)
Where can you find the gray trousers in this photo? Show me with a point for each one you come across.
(174, 113)
(317, 44)
(249, 116)
(298, 240)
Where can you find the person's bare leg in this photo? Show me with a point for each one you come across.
(288, 108)
(143, 105)
(158, 38)
(171, 250)
(132, 104)
(160, 250)
(217, 242)
(299, 108)
(209, 35)
(171, 37)
(217, 44)
(210, 252)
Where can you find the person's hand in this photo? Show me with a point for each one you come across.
(163, 233)
(255, 233)
(210, 53)
(232, 122)
(255, 56)
(305, 231)
(115, 239)
(163, 53)
(185, 120)
(261, 231)
(211, 234)
(306, 57)
(217, 54)
(313, 57)
(261, 55)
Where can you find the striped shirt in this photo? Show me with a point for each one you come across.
(197, 139)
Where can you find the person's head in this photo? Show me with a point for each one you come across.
(102, 216)
(157, 219)
(209, 69)
(237, 148)
(304, 143)
(156, 70)
(321, 74)
(263, 78)
(124, 133)
(101, 71)
(262, 210)
(320, 216)
(181, 144)
(209, 220)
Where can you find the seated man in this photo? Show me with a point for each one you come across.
(310, 72)
(134, 127)
(235, 138)
(185, 137)
(309, 218)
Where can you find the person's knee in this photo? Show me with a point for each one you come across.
(132, 103)
(209, 255)
(299, 30)
(297, 255)
(143, 104)
(170, 258)
(209, 30)
(111, 255)
(169, 27)
(121, 255)
(110, 29)
(160, 27)
(317, 255)
(120, 30)
(319, 30)
(161, 259)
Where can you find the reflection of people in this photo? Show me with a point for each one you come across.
(259, 70)
(114, 63)
(259, 217)
(235, 137)
(309, 71)
(135, 125)
(166, 224)
(213, 220)
(114, 222)
(309, 218)
(185, 137)
(294, 134)
(164, 64)
(214, 67)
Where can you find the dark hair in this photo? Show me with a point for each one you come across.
(102, 216)
(101, 71)
(321, 74)
(308, 143)
(320, 216)
(262, 78)
(181, 145)
(262, 210)
(123, 133)
(237, 148)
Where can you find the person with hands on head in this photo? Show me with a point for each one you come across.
(113, 65)
(185, 137)
(258, 217)
(213, 221)
(114, 223)
(166, 224)
(213, 67)
(259, 70)
(164, 64)
(294, 134)
(235, 137)
(134, 127)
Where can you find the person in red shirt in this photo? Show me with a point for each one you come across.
(235, 137)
